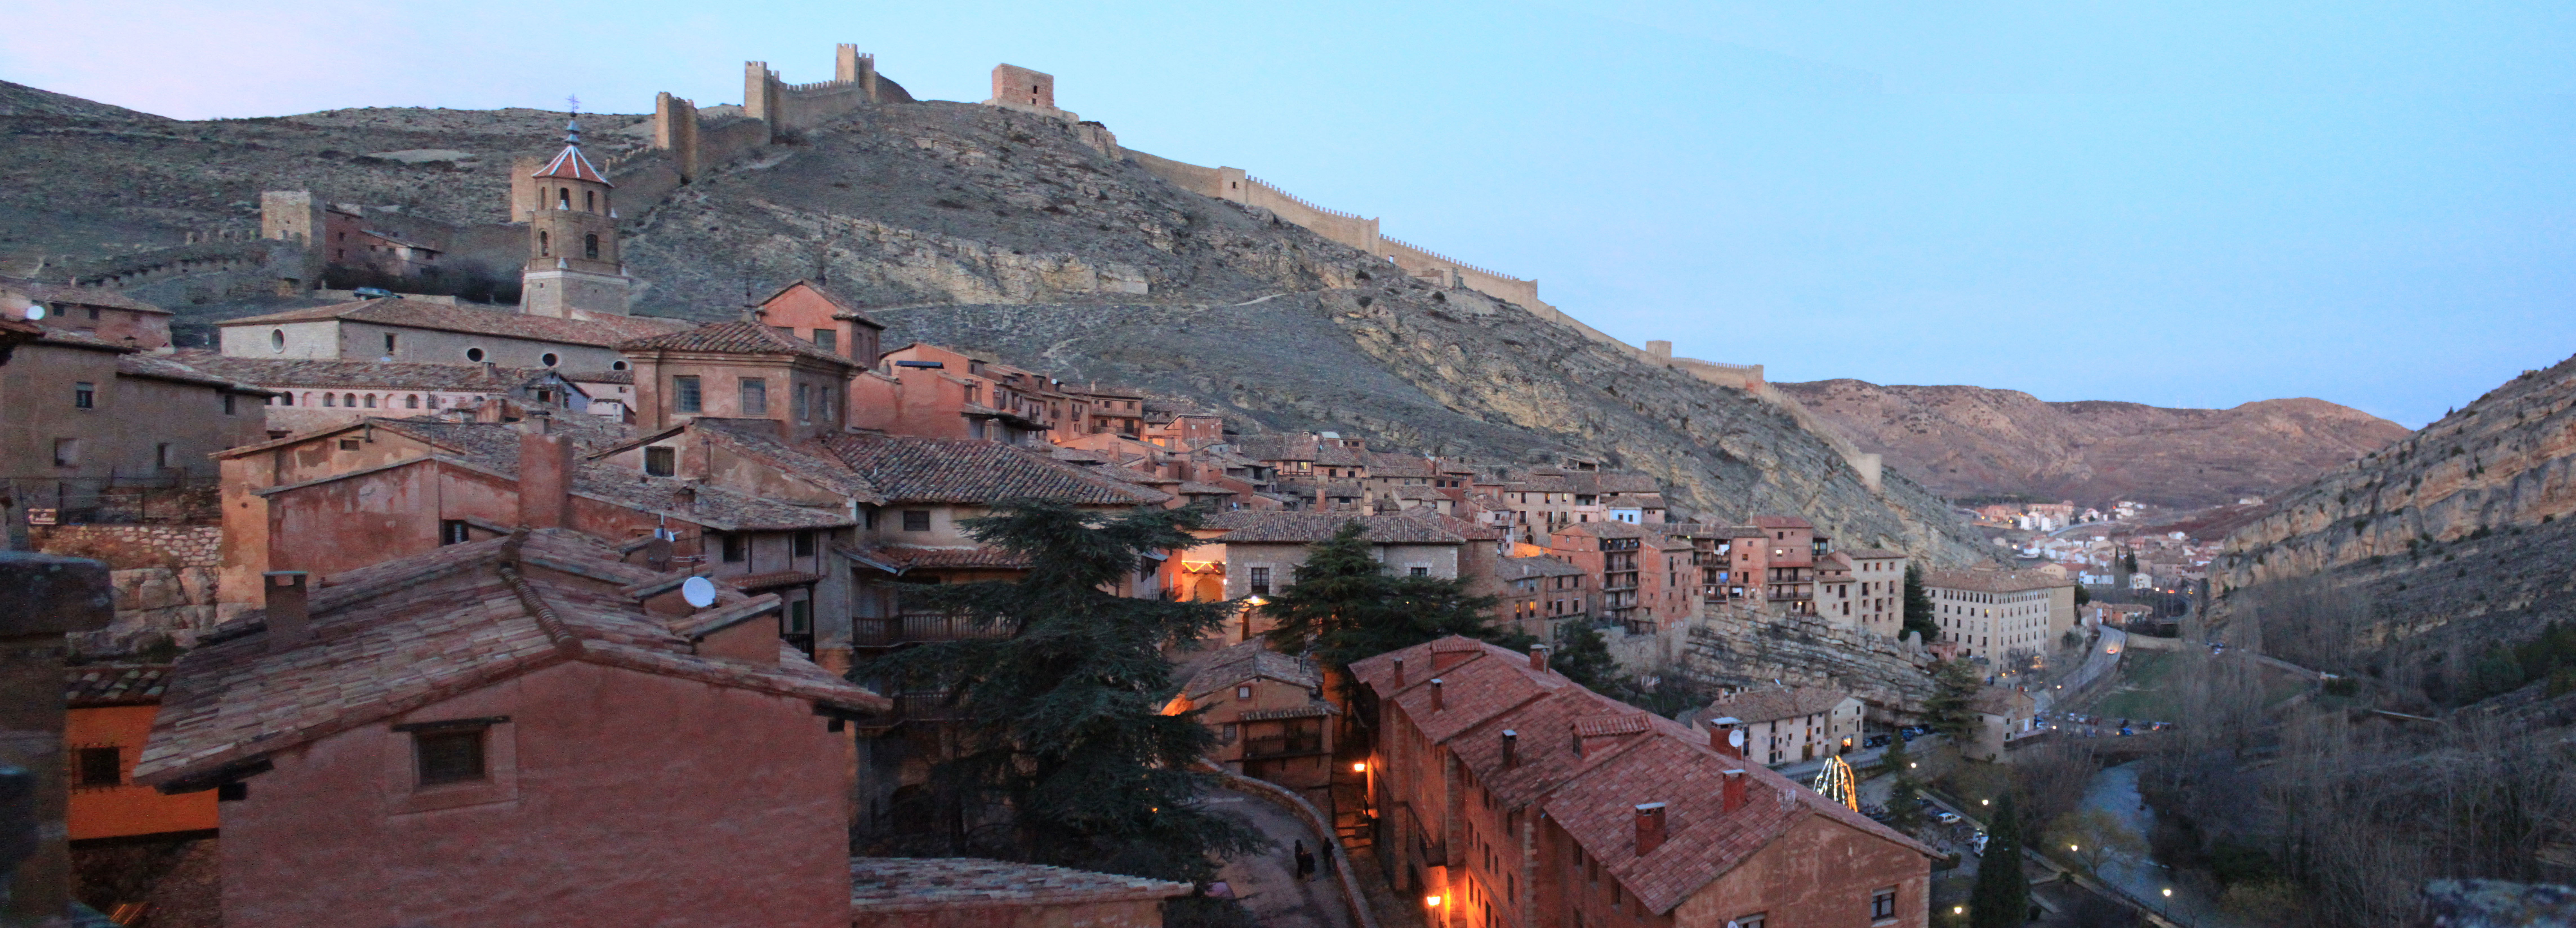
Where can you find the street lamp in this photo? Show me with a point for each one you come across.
(1359, 766)
(1431, 902)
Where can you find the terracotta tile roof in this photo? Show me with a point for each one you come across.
(570, 163)
(849, 309)
(603, 332)
(919, 884)
(754, 583)
(383, 375)
(1770, 704)
(1313, 710)
(1780, 522)
(114, 684)
(1329, 454)
(911, 558)
(624, 377)
(70, 339)
(1386, 464)
(1250, 527)
(397, 636)
(905, 469)
(1986, 580)
(1627, 756)
(2002, 700)
(76, 295)
(1523, 568)
(735, 337)
(164, 367)
(758, 439)
(1231, 666)
(1871, 554)
(1609, 529)
(1276, 447)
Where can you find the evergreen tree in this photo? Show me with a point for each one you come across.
(2002, 895)
(1583, 657)
(1346, 607)
(2083, 596)
(1952, 708)
(1061, 731)
(1918, 606)
(1905, 797)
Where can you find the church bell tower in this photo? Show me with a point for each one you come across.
(573, 270)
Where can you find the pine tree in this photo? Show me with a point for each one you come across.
(1061, 731)
(1346, 607)
(1952, 708)
(1583, 657)
(1905, 797)
(2002, 895)
(1918, 606)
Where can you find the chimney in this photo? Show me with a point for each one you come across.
(1511, 747)
(1650, 827)
(1435, 694)
(1722, 734)
(1399, 673)
(545, 476)
(289, 623)
(1734, 790)
(1538, 658)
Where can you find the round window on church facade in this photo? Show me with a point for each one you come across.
(474, 354)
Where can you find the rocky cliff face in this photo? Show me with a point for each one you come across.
(1000, 231)
(2461, 531)
(1739, 651)
(1973, 441)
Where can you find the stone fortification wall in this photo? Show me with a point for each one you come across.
(687, 143)
(1346, 228)
(163, 578)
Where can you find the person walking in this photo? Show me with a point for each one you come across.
(1305, 861)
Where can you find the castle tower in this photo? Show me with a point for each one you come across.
(573, 271)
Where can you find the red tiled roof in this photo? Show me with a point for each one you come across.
(1781, 522)
(570, 163)
(1251, 527)
(1994, 581)
(735, 337)
(1231, 666)
(412, 632)
(1626, 756)
(906, 469)
(384, 375)
(753, 583)
(114, 684)
(76, 295)
(163, 367)
(601, 332)
(1770, 704)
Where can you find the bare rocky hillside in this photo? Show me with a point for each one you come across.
(1973, 441)
(994, 231)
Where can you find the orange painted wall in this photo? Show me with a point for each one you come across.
(119, 811)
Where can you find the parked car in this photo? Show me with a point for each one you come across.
(1947, 818)
(1876, 741)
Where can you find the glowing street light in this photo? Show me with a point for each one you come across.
(1431, 901)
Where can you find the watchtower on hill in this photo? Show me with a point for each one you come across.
(573, 270)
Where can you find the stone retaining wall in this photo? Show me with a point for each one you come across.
(163, 578)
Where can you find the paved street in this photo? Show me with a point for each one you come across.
(1267, 882)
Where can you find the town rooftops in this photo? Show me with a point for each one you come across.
(735, 337)
(1524, 568)
(1589, 761)
(934, 470)
(76, 295)
(600, 332)
(1248, 527)
(1769, 704)
(925, 884)
(1606, 529)
(1994, 580)
(1231, 666)
(1781, 522)
(846, 309)
(2002, 700)
(92, 685)
(394, 637)
(162, 367)
(386, 375)
(1871, 554)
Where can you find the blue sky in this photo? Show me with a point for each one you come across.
(2186, 204)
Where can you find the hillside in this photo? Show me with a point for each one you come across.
(995, 231)
(1972, 441)
(2457, 537)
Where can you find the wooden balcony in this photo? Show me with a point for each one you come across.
(923, 628)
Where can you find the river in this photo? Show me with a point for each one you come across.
(2115, 790)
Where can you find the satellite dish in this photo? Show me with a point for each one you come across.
(1735, 739)
(35, 311)
(698, 592)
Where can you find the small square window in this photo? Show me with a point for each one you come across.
(84, 395)
(1243, 692)
(449, 756)
(452, 532)
(685, 396)
(828, 340)
(66, 452)
(661, 462)
(102, 766)
(804, 544)
(916, 520)
(733, 548)
(348, 444)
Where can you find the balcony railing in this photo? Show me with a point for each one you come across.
(1289, 745)
(918, 629)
